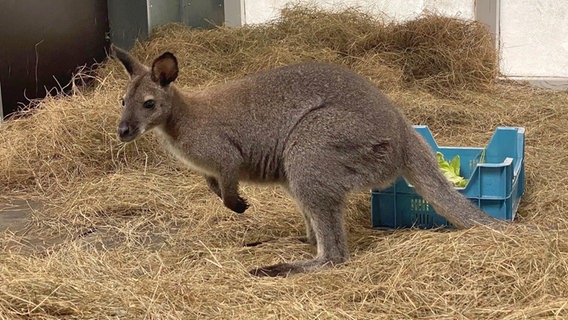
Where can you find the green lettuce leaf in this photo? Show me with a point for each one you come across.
(451, 170)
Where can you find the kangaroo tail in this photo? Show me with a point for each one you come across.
(422, 171)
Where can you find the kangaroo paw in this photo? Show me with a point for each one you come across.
(241, 205)
(237, 204)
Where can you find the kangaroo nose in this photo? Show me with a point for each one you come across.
(123, 130)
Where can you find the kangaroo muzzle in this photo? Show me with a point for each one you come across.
(127, 132)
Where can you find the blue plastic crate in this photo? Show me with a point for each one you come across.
(496, 183)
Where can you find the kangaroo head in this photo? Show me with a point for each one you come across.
(147, 102)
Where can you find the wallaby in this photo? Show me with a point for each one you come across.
(319, 130)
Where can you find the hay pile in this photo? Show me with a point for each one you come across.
(128, 233)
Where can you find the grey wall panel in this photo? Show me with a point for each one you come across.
(164, 11)
(128, 20)
(203, 13)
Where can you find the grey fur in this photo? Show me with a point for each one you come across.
(319, 130)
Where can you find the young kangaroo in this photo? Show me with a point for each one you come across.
(318, 130)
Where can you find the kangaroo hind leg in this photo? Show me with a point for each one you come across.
(323, 207)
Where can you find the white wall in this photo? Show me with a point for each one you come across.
(533, 34)
(534, 38)
(259, 11)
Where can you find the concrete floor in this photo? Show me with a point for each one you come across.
(16, 232)
(16, 216)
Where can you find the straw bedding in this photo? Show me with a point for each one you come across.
(125, 232)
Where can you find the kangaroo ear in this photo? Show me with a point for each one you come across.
(165, 69)
(130, 63)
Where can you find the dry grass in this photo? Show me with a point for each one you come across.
(127, 233)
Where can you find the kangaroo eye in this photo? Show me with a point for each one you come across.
(122, 102)
(149, 104)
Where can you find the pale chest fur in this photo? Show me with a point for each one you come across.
(178, 152)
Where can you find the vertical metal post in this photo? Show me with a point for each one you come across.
(488, 12)
(235, 13)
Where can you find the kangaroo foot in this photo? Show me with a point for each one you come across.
(257, 243)
(287, 269)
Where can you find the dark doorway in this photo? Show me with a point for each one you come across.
(43, 42)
